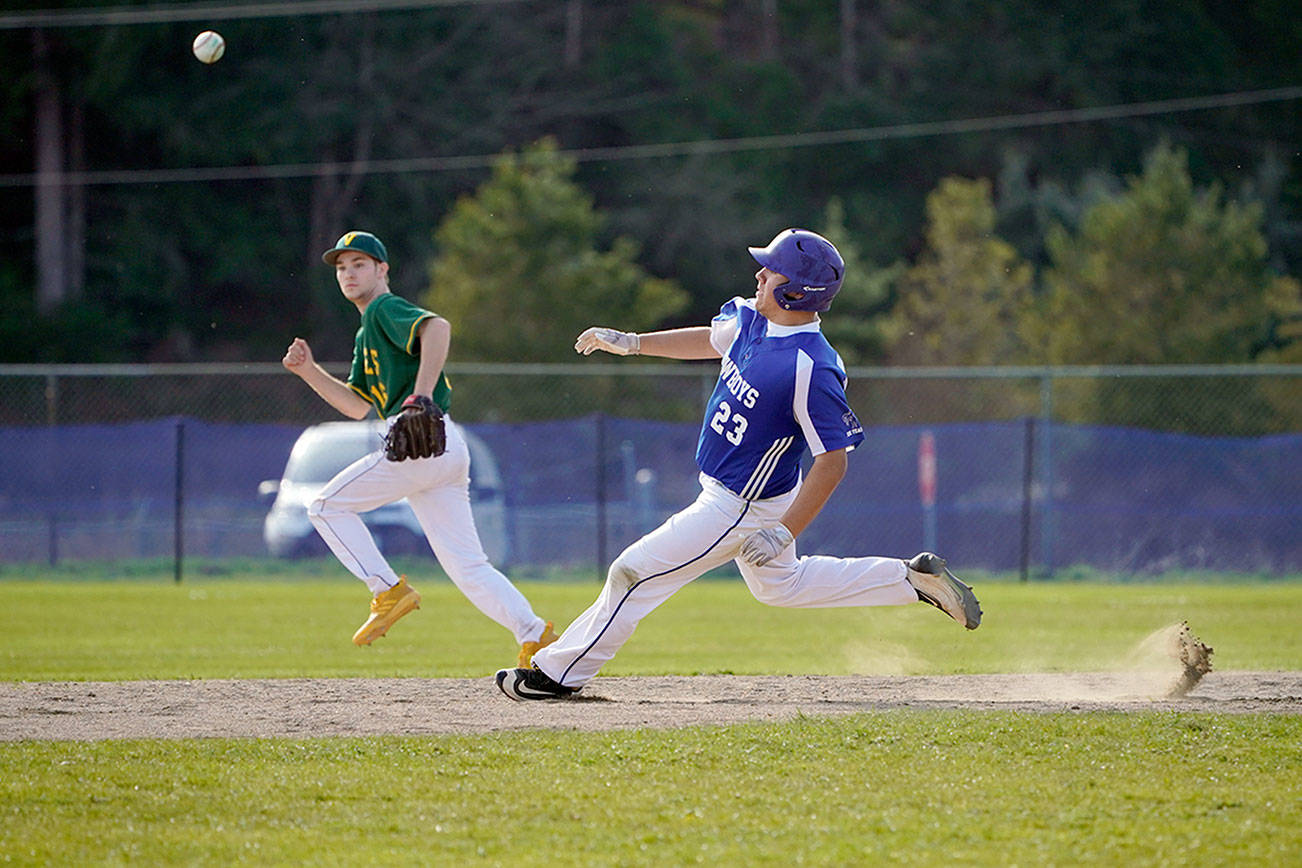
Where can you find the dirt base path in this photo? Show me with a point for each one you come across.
(84, 710)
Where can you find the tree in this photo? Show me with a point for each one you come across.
(1159, 274)
(855, 326)
(518, 271)
(376, 118)
(519, 274)
(1028, 205)
(964, 301)
(1165, 273)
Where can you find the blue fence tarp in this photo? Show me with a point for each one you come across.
(1121, 500)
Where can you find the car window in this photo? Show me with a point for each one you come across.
(323, 459)
(320, 456)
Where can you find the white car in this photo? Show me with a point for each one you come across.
(323, 450)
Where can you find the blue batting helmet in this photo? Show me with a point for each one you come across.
(809, 262)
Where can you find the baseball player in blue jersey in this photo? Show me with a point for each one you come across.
(781, 390)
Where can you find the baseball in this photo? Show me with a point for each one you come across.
(209, 46)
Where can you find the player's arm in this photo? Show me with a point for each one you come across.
(685, 343)
(435, 336)
(824, 476)
(298, 360)
(688, 343)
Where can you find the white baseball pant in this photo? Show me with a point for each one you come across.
(438, 490)
(705, 535)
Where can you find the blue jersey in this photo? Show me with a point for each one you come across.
(781, 390)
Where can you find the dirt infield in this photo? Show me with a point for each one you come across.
(83, 710)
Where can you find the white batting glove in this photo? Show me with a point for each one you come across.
(766, 544)
(610, 340)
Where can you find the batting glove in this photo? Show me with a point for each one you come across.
(610, 340)
(766, 544)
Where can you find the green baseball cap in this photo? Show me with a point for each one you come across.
(362, 242)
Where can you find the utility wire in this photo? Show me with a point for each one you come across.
(216, 12)
(667, 149)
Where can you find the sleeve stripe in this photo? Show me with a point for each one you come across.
(411, 336)
(800, 403)
(365, 396)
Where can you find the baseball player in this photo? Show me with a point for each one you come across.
(781, 390)
(397, 368)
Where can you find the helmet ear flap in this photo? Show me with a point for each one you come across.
(790, 297)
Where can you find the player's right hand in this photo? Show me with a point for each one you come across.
(297, 356)
(610, 340)
(766, 544)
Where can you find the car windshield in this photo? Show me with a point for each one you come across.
(324, 458)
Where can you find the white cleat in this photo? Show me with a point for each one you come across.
(936, 585)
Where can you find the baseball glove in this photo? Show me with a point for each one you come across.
(418, 432)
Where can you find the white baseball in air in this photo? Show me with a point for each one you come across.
(209, 46)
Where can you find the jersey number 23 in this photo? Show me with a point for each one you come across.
(735, 424)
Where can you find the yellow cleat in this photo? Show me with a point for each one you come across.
(528, 649)
(386, 609)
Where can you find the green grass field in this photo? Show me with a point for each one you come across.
(896, 787)
(299, 624)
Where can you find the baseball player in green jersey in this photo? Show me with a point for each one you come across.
(398, 356)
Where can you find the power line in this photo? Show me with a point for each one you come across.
(667, 149)
(217, 12)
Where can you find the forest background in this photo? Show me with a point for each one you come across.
(1012, 182)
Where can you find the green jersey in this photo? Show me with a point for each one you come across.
(386, 355)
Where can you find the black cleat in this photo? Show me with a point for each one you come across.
(522, 684)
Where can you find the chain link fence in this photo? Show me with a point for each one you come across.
(1122, 469)
(1210, 400)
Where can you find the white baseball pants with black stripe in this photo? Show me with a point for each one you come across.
(438, 490)
(705, 535)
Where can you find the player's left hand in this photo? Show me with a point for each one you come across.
(766, 544)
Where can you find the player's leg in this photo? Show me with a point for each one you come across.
(443, 510)
(445, 515)
(817, 581)
(367, 483)
(820, 581)
(647, 573)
